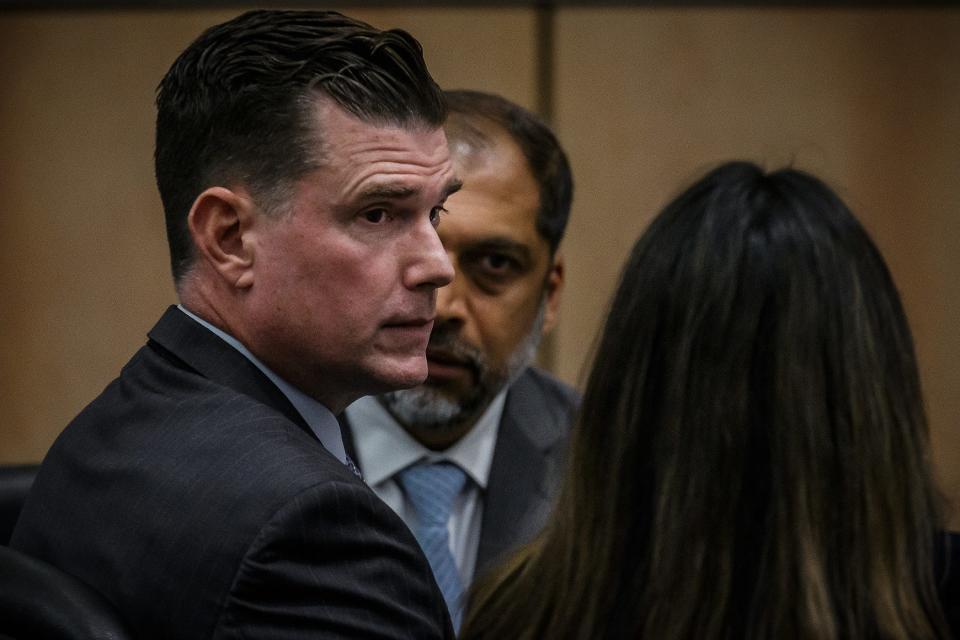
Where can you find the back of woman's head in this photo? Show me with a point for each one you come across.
(751, 459)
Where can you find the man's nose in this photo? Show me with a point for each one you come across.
(451, 306)
(431, 268)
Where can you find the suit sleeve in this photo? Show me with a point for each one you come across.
(334, 562)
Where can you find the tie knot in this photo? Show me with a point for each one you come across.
(431, 489)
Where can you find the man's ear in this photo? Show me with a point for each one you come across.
(552, 290)
(218, 222)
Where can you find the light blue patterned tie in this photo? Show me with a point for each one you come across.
(431, 489)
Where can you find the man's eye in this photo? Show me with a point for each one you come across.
(375, 216)
(435, 214)
(493, 270)
(496, 263)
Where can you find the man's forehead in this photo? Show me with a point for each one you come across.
(336, 127)
(388, 162)
(387, 142)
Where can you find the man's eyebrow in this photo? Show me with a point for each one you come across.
(388, 191)
(503, 244)
(452, 187)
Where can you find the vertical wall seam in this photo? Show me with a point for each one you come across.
(545, 69)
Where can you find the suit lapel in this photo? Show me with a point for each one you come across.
(349, 443)
(518, 497)
(178, 337)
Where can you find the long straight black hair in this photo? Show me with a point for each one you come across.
(751, 459)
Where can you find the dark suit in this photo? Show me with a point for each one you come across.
(528, 462)
(194, 497)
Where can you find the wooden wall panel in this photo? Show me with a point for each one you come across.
(83, 258)
(471, 48)
(646, 99)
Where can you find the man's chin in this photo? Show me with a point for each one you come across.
(423, 406)
(456, 390)
(401, 375)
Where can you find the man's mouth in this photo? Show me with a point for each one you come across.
(408, 333)
(446, 358)
(411, 321)
(443, 365)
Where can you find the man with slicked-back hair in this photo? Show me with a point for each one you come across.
(485, 418)
(206, 492)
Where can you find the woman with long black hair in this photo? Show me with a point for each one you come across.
(752, 457)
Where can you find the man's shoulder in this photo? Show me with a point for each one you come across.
(168, 440)
(535, 382)
(167, 444)
(182, 477)
(164, 406)
(233, 442)
(541, 406)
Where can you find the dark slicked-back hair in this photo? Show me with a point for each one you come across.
(545, 157)
(752, 456)
(237, 104)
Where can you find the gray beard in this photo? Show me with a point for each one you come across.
(431, 409)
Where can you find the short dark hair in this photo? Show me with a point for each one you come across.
(547, 160)
(236, 104)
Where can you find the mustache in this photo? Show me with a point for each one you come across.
(445, 339)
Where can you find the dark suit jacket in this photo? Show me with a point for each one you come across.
(194, 497)
(527, 467)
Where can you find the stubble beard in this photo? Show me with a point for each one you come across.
(430, 409)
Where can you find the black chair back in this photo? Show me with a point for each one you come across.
(38, 600)
(15, 482)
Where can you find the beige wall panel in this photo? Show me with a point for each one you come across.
(471, 48)
(84, 260)
(870, 100)
(82, 236)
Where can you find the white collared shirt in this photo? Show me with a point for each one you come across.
(384, 449)
(320, 420)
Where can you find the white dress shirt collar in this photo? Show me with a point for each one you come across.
(320, 420)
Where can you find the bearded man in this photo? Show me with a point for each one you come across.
(471, 458)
